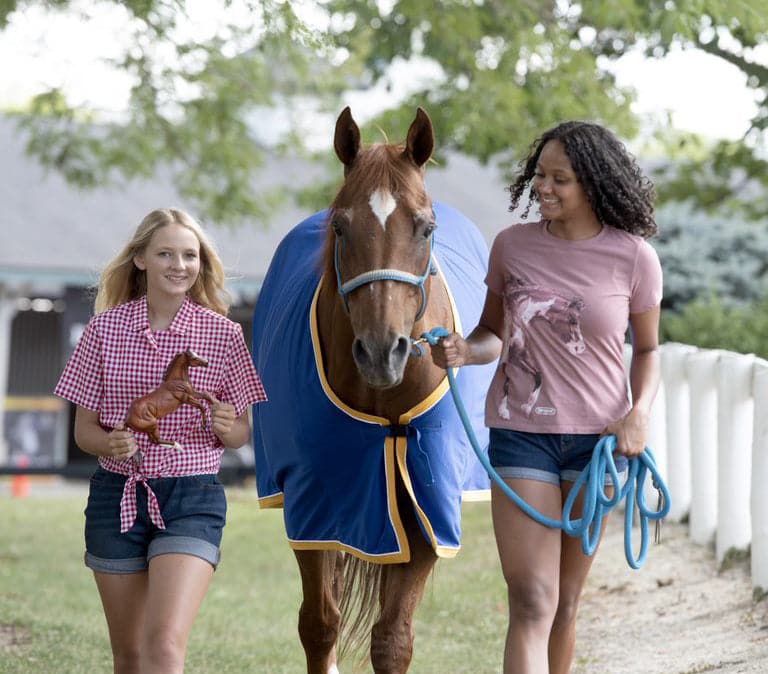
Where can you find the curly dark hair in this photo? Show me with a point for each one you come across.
(620, 194)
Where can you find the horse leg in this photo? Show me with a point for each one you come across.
(319, 617)
(402, 586)
(524, 362)
(190, 398)
(204, 396)
(528, 406)
(504, 404)
(154, 434)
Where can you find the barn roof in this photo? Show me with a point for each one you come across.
(52, 233)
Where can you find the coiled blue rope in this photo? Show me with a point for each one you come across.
(597, 504)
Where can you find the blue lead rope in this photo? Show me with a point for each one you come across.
(597, 504)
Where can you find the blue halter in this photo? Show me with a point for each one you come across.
(385, 275)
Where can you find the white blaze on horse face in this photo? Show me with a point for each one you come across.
(382, 204)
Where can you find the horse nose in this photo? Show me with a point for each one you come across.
(578, 348)
(381, 360)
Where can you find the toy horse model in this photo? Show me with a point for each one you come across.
(176, 390)
(360, 442)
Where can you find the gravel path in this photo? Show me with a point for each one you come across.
(677, 615)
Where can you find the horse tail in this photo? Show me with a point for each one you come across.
(360, 606)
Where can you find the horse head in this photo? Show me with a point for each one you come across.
(380, 245)
(182, 362)
(569, 327)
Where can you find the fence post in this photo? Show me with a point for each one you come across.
(735, 412)
(657, 441)
(759, 561)
(677, 405)
(701, 367)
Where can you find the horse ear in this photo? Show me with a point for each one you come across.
(346, 140)
(421, 138)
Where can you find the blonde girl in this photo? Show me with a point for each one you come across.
(155, 513)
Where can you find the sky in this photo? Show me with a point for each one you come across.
(701, 93)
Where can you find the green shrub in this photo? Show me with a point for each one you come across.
(703, 254)
(712, 324)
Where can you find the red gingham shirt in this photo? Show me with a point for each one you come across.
(119, 358)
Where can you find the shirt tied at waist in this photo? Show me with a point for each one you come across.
(129, 507)
(128, 503)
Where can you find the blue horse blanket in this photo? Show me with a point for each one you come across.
(333, 469)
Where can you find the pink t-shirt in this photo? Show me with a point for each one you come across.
(566, 312)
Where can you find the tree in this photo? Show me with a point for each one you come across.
(195, 108)
(707, 255)
(514, 68)
(506, 70)
(730, 174)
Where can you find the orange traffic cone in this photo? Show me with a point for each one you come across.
(20, 483)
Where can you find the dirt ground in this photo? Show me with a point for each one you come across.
(676, 615)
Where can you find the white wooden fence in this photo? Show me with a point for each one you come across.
(709, 433)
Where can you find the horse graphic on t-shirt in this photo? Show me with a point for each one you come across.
(525, 302)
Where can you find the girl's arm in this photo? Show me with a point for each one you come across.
(644, 376)
(483, 344)
(93, 439)
(233, 431)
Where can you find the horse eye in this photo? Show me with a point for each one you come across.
(336, 226)
(429, 229)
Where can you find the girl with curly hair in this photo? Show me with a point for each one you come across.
(562, 293)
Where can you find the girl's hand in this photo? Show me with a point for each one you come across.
(450, 351)
(222, 418)
(121, 445)
(631, 433)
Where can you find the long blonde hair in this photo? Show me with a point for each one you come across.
(121, 280)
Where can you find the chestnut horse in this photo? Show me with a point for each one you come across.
(176, 390)
(382, 219)
(336, 360)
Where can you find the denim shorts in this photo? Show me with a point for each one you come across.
(194, 509)
(547, 457)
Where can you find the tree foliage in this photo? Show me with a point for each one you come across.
(195, 107)
(710, 323)
(505, 71)
(707, 255)
(730, 173)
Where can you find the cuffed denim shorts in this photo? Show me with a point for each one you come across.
(547, 457)
(194, 509)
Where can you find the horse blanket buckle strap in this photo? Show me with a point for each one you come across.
(399, 430)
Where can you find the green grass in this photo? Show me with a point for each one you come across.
(51, 619)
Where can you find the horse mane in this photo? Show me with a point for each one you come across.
(171, 364)
(384, 166)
